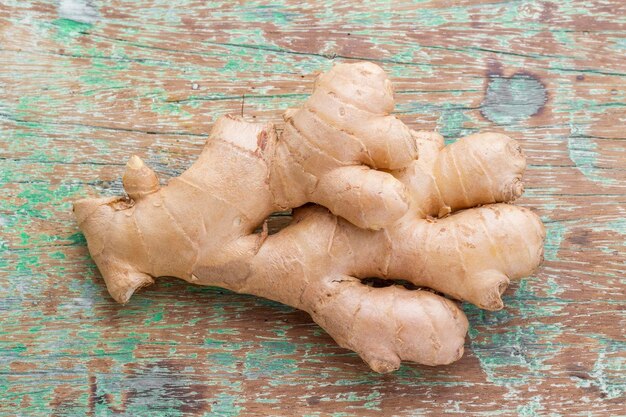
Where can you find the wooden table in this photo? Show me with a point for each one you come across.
(85, 84)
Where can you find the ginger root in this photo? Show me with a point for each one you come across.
(416, 221)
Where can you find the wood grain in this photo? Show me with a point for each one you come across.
(84, 84)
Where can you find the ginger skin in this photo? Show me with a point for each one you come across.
(200, 226)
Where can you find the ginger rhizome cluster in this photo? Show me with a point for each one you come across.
(389, 202)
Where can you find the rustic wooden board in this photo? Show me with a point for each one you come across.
(84, 84)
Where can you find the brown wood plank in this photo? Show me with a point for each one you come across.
(84, 87)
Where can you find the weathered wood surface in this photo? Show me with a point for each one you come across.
(84, 84)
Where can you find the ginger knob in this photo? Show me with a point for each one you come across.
(139, 180)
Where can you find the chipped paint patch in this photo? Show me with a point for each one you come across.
(511, 100)
(582, 150)
(82, 11)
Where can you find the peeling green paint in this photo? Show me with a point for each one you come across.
(451, 124)
(531, 409)
(555, 233)
(68, 29)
